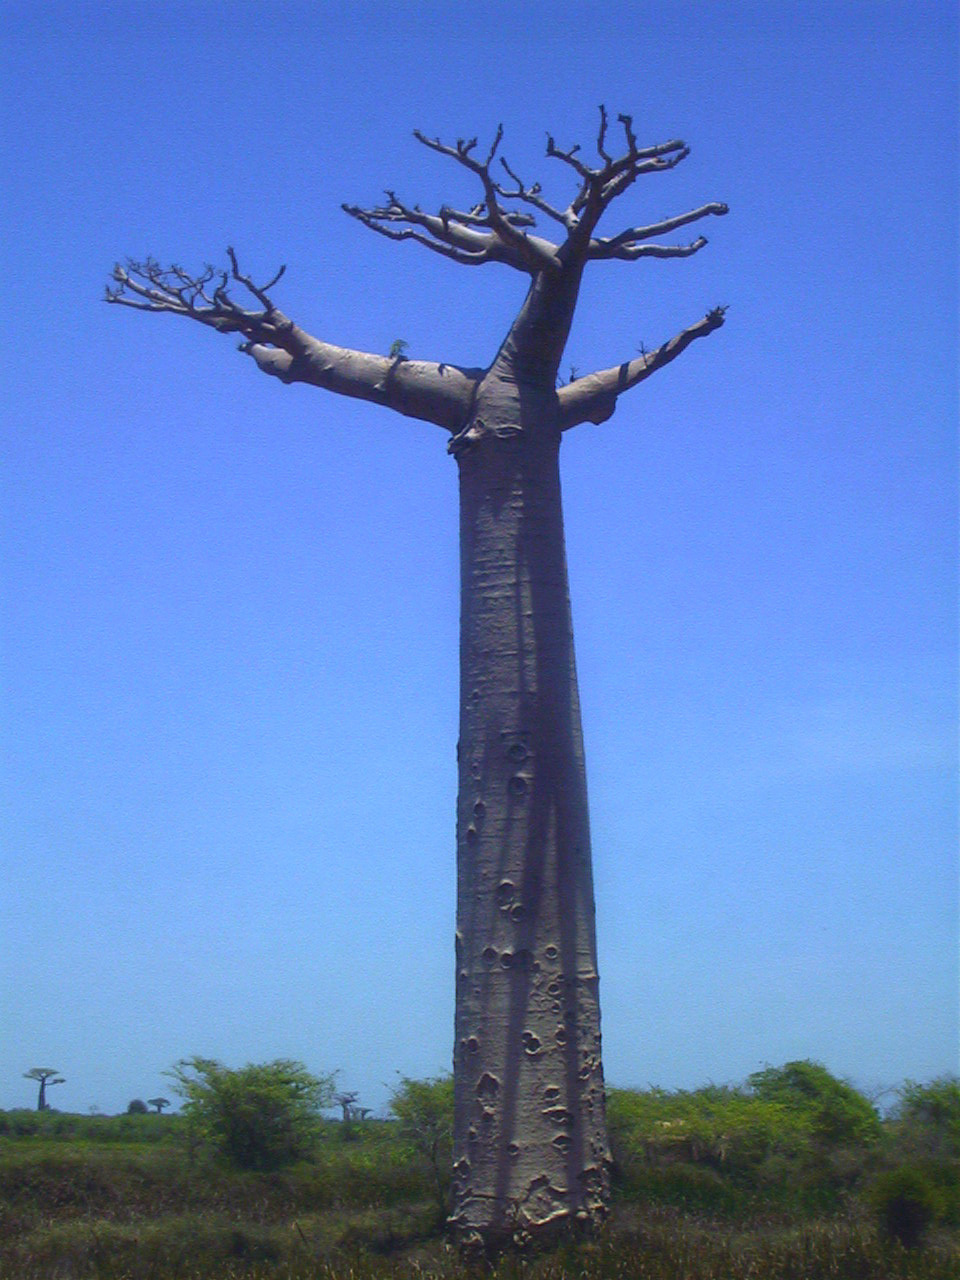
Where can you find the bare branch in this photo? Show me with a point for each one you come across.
(420, 389)
(259, 293)
(635, 157)
(627, 175)
(447, 235)
(601, 248)
(570, 158)
(531, 195)
(628, 252)
(493, 150)
(531, 254)
(594, 398)
(602, 136)
(645, 153)
(602, 184)
(172, 289)
(627, 122)
(477, 217)
(464, 237)
(493, 232)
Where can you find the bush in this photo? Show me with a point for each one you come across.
(721, 1127)
(905, 1202)
(927, 1117)
(424, 1109)
(261, 1116)
(836, 1112)
(794, 1136)
(137, 1107)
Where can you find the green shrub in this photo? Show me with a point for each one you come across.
(720, 1127)
(424, 1109)
(927, 1118)
(905, 1202)
(835, 1112)
(794, 1137)
(261, 1116)
(136, 1107)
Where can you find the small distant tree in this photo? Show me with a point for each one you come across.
(346, 1101)
(46, 1077)
(136, 1107)
(158, 1104)
(424, 1109)
(260, 1116)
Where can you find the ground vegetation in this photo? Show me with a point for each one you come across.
(717, 1183)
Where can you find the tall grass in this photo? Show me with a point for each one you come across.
(656, 1245)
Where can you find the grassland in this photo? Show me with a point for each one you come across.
(714, 1184)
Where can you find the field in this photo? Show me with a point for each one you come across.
(794, 1177)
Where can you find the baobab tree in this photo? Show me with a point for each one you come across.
(46, 1077)
(346, 1101)
(530, 1146)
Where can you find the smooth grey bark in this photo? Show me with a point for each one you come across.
(530, 1145)
(529, 1138)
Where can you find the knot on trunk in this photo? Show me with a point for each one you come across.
(476, 431)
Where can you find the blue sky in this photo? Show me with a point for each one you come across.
(229, 681)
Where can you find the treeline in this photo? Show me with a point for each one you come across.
(795, 1137)
(250, 1169)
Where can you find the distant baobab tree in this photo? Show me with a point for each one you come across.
(158, 1104)
(530, 1147)
(46, 1077)
(346, 1101)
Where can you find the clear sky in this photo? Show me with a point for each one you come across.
(230, 607)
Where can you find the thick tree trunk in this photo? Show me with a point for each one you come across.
(530, 1147)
